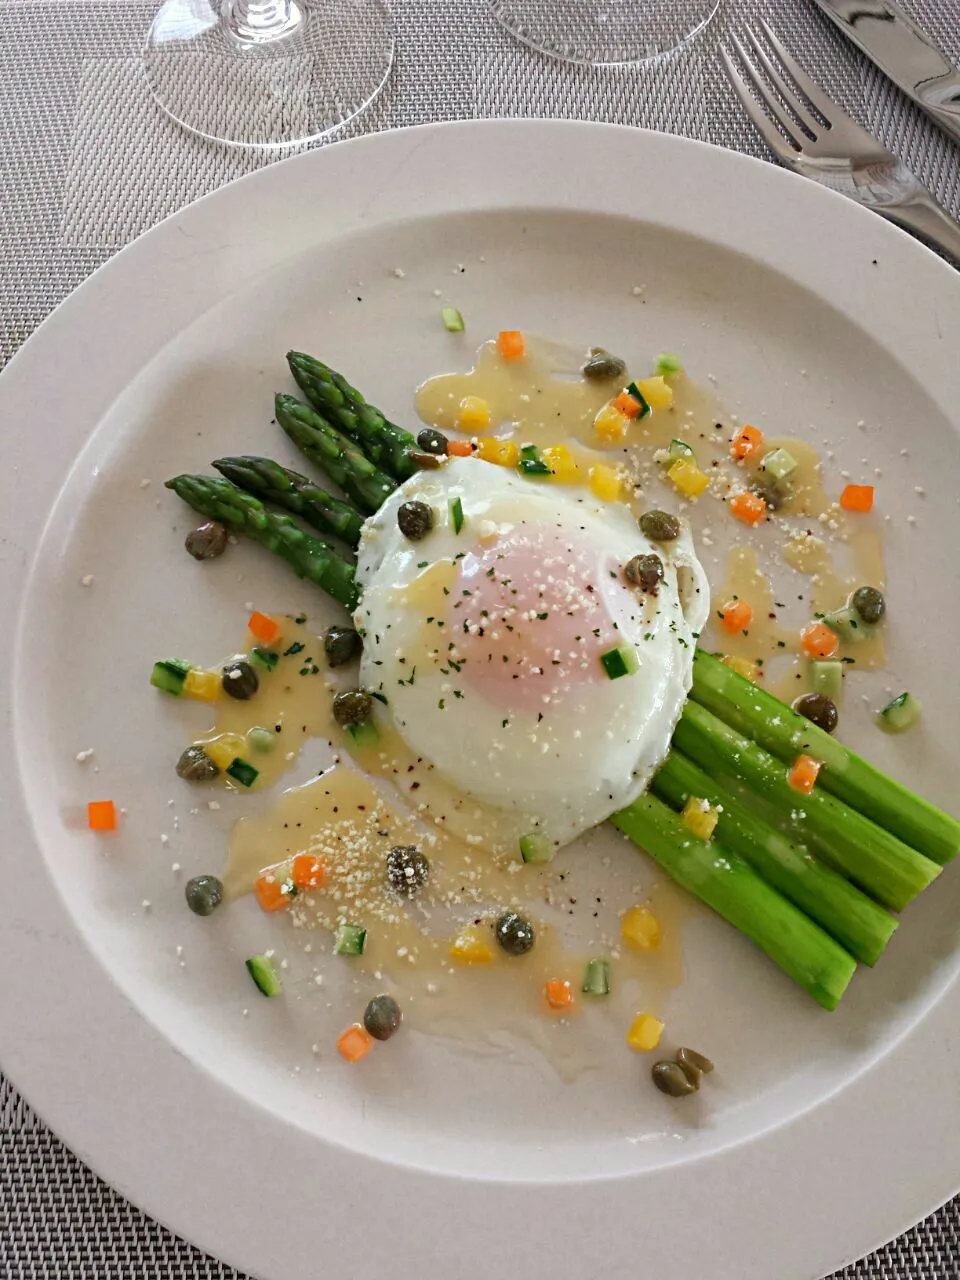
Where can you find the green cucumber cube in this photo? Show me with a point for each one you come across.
(667, 364)
(243, 772)
(634, 390)
(364, 734)
(265, 658)
(622, 661)
(900, 714)
(826, 677)
(596, 978)
(350, 940)
(261, 970)
(536, 847)
(169, 674)
(452, 320)
(779, 464)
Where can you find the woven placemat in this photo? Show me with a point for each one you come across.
(87, 162)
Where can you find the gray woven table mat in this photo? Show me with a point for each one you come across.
(87, 162)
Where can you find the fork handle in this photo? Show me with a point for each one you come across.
(924, 216)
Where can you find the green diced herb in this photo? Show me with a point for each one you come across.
(243, 772)
(456, 514)
(169, 674)
(350, 940)
(452, 320)
(296, 647)
(531, 463)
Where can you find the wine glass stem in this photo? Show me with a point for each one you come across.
(260, 21)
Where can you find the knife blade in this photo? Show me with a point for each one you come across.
(903, 52)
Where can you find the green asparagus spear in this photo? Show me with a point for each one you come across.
(832, 902)
(241, 513)
(271, 482)
(724, 881)
(334, 453)
(382, 441)
(781, 731)
(884, 867)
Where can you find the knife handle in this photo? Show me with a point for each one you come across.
(925, 217)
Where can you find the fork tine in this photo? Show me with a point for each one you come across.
(789, 95)
(772, 135)
(787, 124)
(826, 106)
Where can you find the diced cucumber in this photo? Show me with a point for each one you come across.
(779, 464)
(634, 390)
(622, 661)
(364, 734)
(596, 978)
(452, 320)
(456, 514)
(169, 674)
(261, 740)
(667, 364)
(536, 847)
(900, 714)
(826, 677)
(531, 463)
(848, 624)
(265, 658)
(243, 772)
(350, 940)
(679, 449)
(261, 970)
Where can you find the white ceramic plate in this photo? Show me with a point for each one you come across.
(822, 1135)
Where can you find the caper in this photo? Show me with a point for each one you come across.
(341, 644)
(771, 495)
(432, 441)
(645, 572)
(670, 1077)
(353, 706)
(819, 710)
(195, 765)
(601, 366)
(515, 934)
(204, 894)
(239, 680)
(415, 520)
(693, 1064)
(869, 603)
(407, 870)
(207, 541)
(382, 1017)
(660, 526)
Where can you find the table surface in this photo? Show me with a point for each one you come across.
(88, 162)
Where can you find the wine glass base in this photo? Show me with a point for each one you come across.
(600, 33)
(248, 87)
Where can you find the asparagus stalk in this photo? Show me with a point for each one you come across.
(884, 867)
(271, 482)
(832, 902)
(334, 453)
(383, 441)
(850, 778)
(241, 513)
(724, 881)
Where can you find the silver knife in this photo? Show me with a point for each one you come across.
(904, 53)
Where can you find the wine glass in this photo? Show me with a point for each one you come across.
(268, 73)
(604, 32)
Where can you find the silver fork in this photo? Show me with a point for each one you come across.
(833, 150)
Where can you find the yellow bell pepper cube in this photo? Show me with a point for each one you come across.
(503, 453)
(688, 478)
(610, 425)
(474, 414)
(656, 392)
(225, 749)
(742, 666)
(645, 1032)
(641, 930)
(605, 483)
(562, 463)
(700, 817)
(205, 686)
(471, 947)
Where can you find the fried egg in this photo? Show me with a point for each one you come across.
(487, 645)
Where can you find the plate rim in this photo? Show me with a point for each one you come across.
(164, 262)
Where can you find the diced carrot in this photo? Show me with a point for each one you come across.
(857, 497)
(746, 442)
(102, 815)
(558, 994)
(803, 774)
(354, 1043)
(307, 872)
(272, 889)
(735, 616)
(818, 641)
(262, 628)
(749, 508)
(627, 404)
(511, 344)
(459, 448)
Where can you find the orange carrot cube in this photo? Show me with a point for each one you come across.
(558, 994)
(273, 889)
(627, 404)
(262, 628)
(735, 616)
(857, 497)
(803, 774)
(749, 508)
(354, 1043)
(511, 344)
(102, 815)
(818, 641)
(746, 442)
(307, 872)
(459, 448)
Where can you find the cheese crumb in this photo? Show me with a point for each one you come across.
(87, 580)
